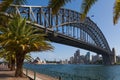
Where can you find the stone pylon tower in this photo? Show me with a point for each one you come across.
(114, 55)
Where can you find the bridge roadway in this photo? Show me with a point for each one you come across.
(67, 28)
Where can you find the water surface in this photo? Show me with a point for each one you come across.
(78, 72)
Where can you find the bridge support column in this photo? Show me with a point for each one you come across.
(107, 60)
(114, 56)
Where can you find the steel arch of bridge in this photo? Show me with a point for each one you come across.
(66, 23)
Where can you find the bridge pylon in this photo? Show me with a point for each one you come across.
(109, 59)
(114, 56)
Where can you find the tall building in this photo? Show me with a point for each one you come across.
(82, 59)
(77, 57)
(87, 58)
(64, 61)
(117, 59)
(95, 58)
(71, 60)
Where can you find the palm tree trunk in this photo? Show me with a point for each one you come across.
(19, 64)
(12, 64)
(9, 63)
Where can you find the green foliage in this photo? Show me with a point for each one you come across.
(57, 4)
(3, 20)
(116, 13)
(28, 57)
(4, 4)
(21, 37)
(85, 7)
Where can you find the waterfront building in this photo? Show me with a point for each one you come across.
(77, 57)
(95, 58)
(38, 61)
(117, 59)
(44, 62)
(87, 58)
(71, 60)
(64, 61)
(82, 59)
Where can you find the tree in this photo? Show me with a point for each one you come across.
(9, 57)
(22, 38)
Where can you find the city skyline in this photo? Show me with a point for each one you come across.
(102, 18)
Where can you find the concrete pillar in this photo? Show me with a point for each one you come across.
(106, 59)
(114, 55)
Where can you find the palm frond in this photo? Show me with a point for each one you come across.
(4, 4)
(85, 7)
(28, 57)
(57, 4)
(116, 13)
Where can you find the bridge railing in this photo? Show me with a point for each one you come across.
(63, 76)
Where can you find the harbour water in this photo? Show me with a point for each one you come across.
(77, 71)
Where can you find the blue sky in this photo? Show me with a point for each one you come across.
(103, 17)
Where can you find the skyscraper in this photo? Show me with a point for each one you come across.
(71, 60)
(77, 57)
(87, 57)
(95, 58)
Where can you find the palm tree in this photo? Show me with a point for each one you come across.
(57, 4)
(85, 7)
(22, 39)
(9, 57)
(116, 13)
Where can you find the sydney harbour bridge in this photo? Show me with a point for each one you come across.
(66, 28)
